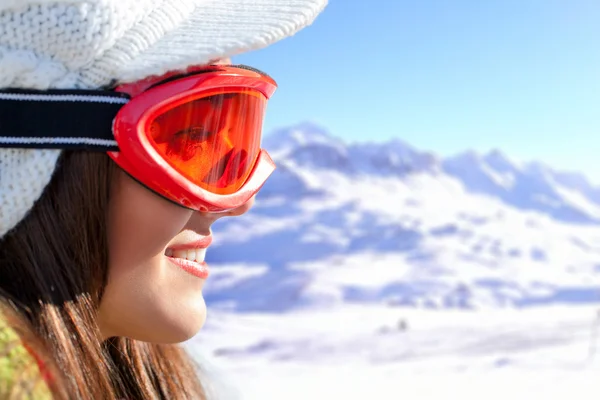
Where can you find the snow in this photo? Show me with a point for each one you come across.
(381, 271)
(359, 352)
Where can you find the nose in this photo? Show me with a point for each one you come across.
(241, 210)
(208, 218)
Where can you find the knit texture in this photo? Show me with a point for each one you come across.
(90, 44)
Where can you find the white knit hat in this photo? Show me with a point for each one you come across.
(87, 44)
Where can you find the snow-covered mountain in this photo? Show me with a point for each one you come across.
(388, 223)
(563, 196)
(311, 146)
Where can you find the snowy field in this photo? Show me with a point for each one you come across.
(362, 353)
(378, 271)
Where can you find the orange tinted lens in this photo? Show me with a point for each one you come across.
(213, 141)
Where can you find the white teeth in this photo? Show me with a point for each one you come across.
(191, 255)
(196, 255)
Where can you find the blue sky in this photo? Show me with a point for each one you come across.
(519, 75)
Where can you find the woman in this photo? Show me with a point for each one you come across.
(121, 143)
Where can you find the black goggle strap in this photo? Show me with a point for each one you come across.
(59, 119)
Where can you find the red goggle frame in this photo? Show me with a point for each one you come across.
(195, 139)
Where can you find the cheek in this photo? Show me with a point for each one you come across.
(146, 298)
(141, 222)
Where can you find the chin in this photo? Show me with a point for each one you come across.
(161, 325)
(169, 333)
(177, 330)
(179, 334)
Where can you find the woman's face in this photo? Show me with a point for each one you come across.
(149, 297)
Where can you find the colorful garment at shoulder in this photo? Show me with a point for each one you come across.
(20, 376)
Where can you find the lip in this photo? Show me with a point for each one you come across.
(199, 270)
(197, 244)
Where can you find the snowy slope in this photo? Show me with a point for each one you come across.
(356, 353)
(388, 224)
(382, 271)
(532, 186)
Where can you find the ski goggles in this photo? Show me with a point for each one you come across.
(193, 137)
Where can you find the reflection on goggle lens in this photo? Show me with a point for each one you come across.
(213, 141)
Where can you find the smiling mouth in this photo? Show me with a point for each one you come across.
(194, 255)
(191, 261)
(190, 257)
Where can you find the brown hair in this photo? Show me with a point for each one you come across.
(53, 268)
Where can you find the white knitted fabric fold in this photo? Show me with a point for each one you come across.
(88, 44)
